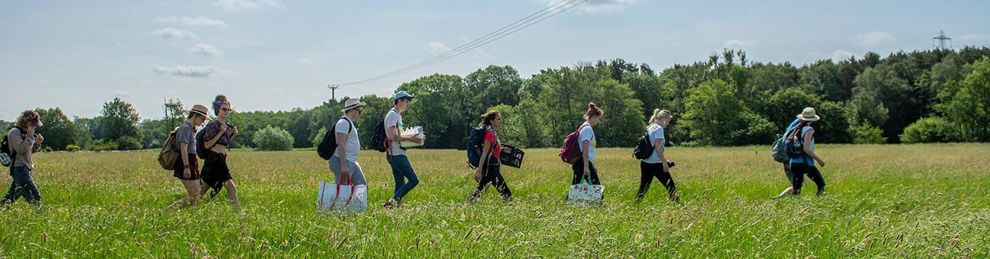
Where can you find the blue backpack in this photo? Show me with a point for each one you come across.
(475, 140)
(794, 142)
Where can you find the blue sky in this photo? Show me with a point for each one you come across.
(281, 54)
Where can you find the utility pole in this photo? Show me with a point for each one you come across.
(942, 39)
(333, 91)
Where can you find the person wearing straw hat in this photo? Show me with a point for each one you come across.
(187, 166)
(345, 160)
(805, 164)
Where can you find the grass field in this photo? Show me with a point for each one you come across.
(889, 201)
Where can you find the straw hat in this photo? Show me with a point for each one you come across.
(351, 104)
(201, 110)
(808, 114)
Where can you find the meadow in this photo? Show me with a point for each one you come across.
(882, 201)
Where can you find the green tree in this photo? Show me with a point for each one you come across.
(118, 123)
(58, 130)
(273, 139)
(493, 85)
(968, 102)
(442, 108)
(715, 116)
(930, 130)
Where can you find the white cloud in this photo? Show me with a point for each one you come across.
(205, 50)
(437, 48)
(840, 55)
(306, 62)
(597, 6)
(974, 37)
(192, 21)
(739, 44)
(188, 71)
(874, 38)
(234, 5)
(175, 34)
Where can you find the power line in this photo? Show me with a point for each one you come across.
(530, 20)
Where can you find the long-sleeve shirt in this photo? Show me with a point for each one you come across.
(22, 144)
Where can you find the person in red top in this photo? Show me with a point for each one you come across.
(489, 167)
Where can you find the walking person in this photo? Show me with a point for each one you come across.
(657, 166)
(345, 160)
(402, 171)
(584, 167)
(489, 165)
(217, 136)
(23, 141)
(187, 166)
(805, 164)
(787, 165)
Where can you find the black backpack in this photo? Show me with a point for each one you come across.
(644, 147)
(328, 146)
(476, 138)
(201, 151)
(379, 138)
(5, 150)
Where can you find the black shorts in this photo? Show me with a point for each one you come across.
(215, 171)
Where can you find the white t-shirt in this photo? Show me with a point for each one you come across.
(353, 145)
(656, 133)
(393, 118)
(587, 134)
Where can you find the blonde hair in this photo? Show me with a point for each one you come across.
(659, 114)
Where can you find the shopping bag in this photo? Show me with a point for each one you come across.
(345, 197)
(585, 193)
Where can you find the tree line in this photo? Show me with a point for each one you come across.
(906, 97)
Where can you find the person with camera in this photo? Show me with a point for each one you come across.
(23, 140)
(217, 136)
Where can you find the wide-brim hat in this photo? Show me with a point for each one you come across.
(351, 104)
(201, 110)
(808, 114)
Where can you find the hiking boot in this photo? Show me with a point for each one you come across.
(391, 203)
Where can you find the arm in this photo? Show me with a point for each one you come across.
(341, 151)
(807, 147)
(212, 142)
(659, 149)
(22, 146)
(485, 148)
(584, 155)
(184, 151)
(392, 135)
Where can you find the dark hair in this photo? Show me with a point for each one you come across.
(488, 117)
(217, 102)
(28, 116)
(593, 111)
(400, 99)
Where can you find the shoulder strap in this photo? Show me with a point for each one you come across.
(350, 125)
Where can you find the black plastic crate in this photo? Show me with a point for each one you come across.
(512, 156)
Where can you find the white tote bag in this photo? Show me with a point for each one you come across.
(585, 193)
(342, 197)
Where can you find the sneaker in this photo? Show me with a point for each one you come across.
(391, 203)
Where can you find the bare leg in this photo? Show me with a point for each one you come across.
(192, 190)
(232, 192)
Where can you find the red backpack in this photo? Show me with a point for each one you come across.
(571, 152)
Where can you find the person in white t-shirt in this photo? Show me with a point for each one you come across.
(344, 162)
(657, 165)
(402, 171)
(584, 167)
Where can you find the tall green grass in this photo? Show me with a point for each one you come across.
(882, 201)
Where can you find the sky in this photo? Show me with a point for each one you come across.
(282, 54)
